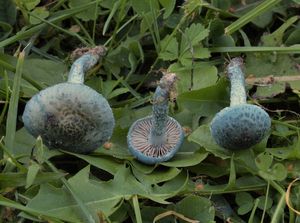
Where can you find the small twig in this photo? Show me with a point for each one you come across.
(168, 213)
(268, 80)
(287, 197)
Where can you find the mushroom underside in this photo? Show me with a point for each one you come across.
(139, 141)
(68, 116)
(240, 126)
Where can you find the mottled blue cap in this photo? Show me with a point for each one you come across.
(139, 145)
(69, 116)
(240, 126)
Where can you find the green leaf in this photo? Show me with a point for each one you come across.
(169, 6)
(196, 208)
(184, 159)
(5, 30)
(33, 170)
(262, 200)
(206, 101)
(204, 76)
(192, 36)
(8, 11)
(202, 136)
(264, 161)
(40, 12)
(169, 46)
(11, 121)
(11, 180)
(31, 4)
(102, 162)
(198, 52)
(245, 202)
(157, 176)
(86, 15)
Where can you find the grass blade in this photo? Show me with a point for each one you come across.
(11, 121)
(295, 49)
(248, 17)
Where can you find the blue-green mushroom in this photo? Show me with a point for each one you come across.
(158, 137)
(241, 125)
(71, 116)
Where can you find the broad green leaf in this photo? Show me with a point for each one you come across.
(102, 162)
(202, 136)
(184, 159)
(157, 176)
(196, 208)
(204, 76)
(198, 52)
(206, 101)
(150, 212)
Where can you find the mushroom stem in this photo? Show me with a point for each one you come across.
(85, 62)
(160, 108)
(237, 81)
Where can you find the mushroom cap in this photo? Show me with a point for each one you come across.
(240, 126)
(139, 145)
(69, 116)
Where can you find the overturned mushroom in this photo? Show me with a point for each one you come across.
(241, 125)
(71, 116)
(156, 138)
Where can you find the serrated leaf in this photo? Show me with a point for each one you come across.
(192, 36)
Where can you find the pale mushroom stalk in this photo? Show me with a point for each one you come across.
(160, 110)
(237, 83)
(156, 138)
(84, 63)
(241, 125)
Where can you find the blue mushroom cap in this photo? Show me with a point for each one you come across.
(69, 116)
(139, 145)
(240, 126)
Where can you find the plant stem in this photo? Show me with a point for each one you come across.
(137, 211)
(237, 82)
(281, 204)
